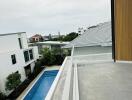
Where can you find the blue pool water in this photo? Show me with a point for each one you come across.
(42, 86)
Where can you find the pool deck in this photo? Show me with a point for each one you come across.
(31, 84)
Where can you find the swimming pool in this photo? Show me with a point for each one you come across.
(42, 86)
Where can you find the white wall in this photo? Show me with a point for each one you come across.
(10, 42)
(32, 66)
(92, 50)
(24, 40)
(35, 52)
(6, 66)
(9, 45)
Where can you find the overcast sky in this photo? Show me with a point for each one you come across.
(51, 16)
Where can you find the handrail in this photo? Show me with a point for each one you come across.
(54, 85)
(66, 90)
(67, 84)
(75, 84)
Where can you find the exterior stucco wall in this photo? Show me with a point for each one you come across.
(91, 50)
(6, 66)
(24, 40)
(10, 42)
(9, 45)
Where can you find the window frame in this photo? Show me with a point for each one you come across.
(26, 58)
(13, 58)
(20, 43)
(31, 55)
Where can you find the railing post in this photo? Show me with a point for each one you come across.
(72, 53)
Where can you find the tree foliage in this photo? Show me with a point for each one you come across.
(13, 80)
(48, 57)
(52, 57)
(70, 36)
(2, 96)
(37, 67)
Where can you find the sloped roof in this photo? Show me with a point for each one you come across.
(97, 35)
(11, 33)
(36, 35)
(51, 43)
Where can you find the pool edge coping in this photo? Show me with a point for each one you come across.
(55, 82)
(30, 86)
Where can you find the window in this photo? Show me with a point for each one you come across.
(26, 56)
(31, 54)
(13, 57)
(20, 43)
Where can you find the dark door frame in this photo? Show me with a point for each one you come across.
(27, 70)
(113, 28)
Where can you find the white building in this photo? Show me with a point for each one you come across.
(49, 44)
(15, 56)
(94, 40)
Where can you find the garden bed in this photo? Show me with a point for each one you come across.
(23, 86)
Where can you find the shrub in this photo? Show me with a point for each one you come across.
(13, 80)
(37, 67)
(2, 96)
(48, 57)
(53, 57)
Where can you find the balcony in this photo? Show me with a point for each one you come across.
(92, 77)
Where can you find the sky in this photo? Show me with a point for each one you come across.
(51, 16)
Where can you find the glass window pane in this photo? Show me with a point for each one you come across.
(26, 56)
(31, 54)
(13, 57)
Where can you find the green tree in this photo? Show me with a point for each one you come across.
(37, 67)
(70, 36)
(2, 96)
(13, 80)
(48, 57)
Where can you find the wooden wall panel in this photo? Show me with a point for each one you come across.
(123, 30)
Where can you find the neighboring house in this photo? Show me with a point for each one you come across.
(55, 36)
(46, 38)
(16, 56)
(36, 38)
(49, 44)
(49, 37)
(96, 39)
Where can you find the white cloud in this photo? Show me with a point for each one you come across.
(50, 16)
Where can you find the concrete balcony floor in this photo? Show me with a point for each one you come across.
(99, 78)
(105, 81)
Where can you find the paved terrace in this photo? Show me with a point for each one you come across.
(105, 81)
(98, 78)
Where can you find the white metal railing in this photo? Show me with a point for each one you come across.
(67, 85)
(54, 85)
(75, 84)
